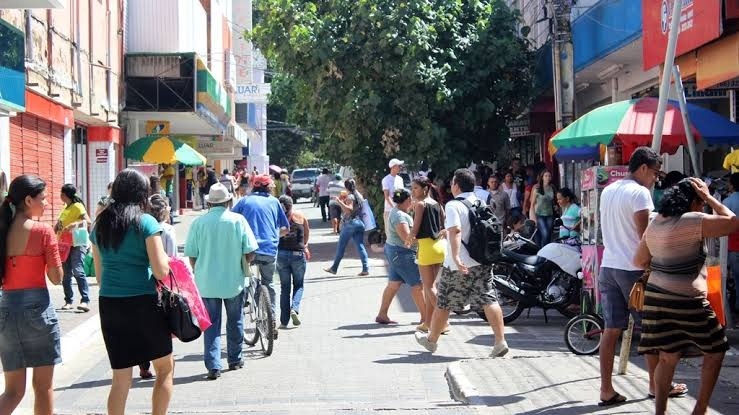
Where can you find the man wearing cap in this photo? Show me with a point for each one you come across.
(216, 244)
(268, 221)
(389, 183)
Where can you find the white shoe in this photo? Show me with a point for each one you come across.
(423, 340)
(295, 317)
(499, 350)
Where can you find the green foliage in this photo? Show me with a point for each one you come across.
(432, 80)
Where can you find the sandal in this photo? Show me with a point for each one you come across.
(379, 320)
(615, 400)
(677, 390)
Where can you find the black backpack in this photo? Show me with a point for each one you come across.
(486, 232)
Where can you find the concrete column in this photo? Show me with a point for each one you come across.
(69, 173)
(614, 89)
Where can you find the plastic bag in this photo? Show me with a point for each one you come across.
(185, 281)
(367, 216)
(715, 297)
(65, 245)
(80, 237)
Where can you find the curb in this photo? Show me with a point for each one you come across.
(77, 339)
(460, 387)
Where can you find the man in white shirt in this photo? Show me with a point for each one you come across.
(389, 183)
(463, 280)
(323, 197)
(624, 215)
(481, 194)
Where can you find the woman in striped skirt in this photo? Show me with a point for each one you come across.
(677, 320)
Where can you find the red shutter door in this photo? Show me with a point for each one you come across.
(37, 147)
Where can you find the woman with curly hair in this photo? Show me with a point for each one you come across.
(677, 320)
(401, 258)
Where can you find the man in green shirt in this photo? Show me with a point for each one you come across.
(216, 244)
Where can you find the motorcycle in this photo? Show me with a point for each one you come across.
(550, 278)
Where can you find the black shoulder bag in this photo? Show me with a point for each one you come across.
(182, 322)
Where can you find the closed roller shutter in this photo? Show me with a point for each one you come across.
(37, 147)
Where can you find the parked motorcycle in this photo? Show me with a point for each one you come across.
(551, 278)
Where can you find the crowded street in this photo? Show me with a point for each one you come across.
(340, 362)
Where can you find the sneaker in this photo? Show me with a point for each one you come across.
(423, 340)
(363, 274)
(236, 366)
(67, 306)
(84, 307)
(499, 350)
(330, 271)
(295, 317)
(214, 374)
(283, 326)
(422, 328)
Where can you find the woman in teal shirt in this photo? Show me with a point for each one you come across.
(127, 249)
(570, 214)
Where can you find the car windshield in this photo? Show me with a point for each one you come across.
(304, 174)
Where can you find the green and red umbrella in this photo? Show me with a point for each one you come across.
(163, 149)
(631, 124)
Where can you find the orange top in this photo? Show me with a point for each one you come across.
(29, 270)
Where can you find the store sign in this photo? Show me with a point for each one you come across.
(157, 127)
(209, 145)
(252, 93)
(692, 92)
(101, 155)
(519, 127)
(700, 23)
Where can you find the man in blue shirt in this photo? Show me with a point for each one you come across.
(268, 222)
(216, 244)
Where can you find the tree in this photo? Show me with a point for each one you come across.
(433, 80)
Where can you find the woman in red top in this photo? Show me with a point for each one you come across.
(29, 329)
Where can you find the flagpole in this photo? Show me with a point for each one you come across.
(664, 88)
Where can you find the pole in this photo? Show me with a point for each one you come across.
(664, 88)
(557, 82)
(686, 120)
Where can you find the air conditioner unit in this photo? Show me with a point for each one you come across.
(609, 72)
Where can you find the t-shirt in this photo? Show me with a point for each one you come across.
(482, 194)
(72, 213)
(126, 270)
(169, 239)
(390, 183)
(457, 214)
(731, 161)
(265, 217)
(732, 202)
(397, 217)
(322, 182)
(512, 193)
(618, 203)
(570, 217)
(335, 187)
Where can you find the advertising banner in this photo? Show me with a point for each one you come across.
(157, 127)
(700, 23)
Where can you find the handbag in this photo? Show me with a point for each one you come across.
(80, 237)
(367, 216)
(636, 296)
(180, 318)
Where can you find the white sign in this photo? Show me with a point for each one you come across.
(252, 93)
(213, 146)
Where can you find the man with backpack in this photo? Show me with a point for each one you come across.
(466, 276)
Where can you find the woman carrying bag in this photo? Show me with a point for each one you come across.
(74, 219)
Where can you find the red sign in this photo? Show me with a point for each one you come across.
(101, 155)
(732, 9)
(700, 23)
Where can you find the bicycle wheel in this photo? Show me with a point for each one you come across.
(266, 322)
(583, 334)
(251, 317)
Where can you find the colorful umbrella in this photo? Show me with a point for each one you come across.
(631, 124)
(275, 168)
(161, 149)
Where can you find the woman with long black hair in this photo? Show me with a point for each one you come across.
(74, 216)
(127, 249)
(352, 228)
(29, 334)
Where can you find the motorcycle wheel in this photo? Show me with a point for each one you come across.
(572, 307)
(511, 309)
(583, 334)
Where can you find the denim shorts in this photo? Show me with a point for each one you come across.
(402, 265)
(29, 330)
(614, 286)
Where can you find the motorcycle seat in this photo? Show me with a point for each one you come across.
(532, 260)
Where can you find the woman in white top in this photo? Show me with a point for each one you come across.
(511, 190)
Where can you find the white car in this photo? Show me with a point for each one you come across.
(303, 183)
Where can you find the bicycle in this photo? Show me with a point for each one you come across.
(259, 317)
(584, 331)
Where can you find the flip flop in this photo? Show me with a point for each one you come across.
(381, 321)
(615, 400)
(673, 393)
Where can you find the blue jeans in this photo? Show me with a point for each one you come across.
(73, 267)
(544, 225)
(351, 230)
(266, 265)
(291, 267)
(234, 330)
(734, 269)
